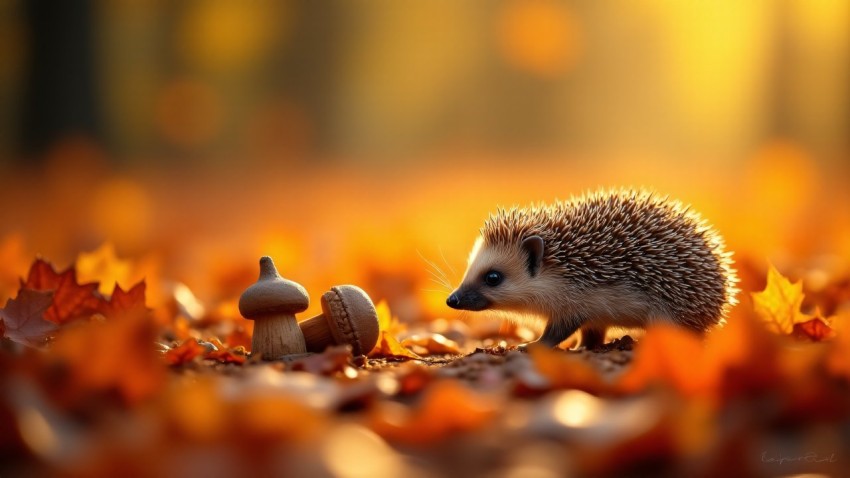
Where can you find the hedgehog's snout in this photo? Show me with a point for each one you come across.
(467, 299)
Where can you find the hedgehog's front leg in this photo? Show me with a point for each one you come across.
(557, 330)
(592, 337)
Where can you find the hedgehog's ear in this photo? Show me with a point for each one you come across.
(533, 246)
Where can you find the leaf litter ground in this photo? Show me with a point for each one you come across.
(99, 384)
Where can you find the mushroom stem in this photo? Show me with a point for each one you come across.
(317, 334)
(276, 336)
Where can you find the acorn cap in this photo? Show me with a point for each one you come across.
(351, 317)
(272, 294)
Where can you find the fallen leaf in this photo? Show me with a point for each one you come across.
(224, 354)
(330, 362)
(670, 356)
(446, 409)
(184, 353)
(817, 329)
(562, 370)
(388, 345)
(742, 357)
(105, 360)
(433, 344)
(71, 300)
(237, 356)
(23, 318)
(102, 265)
(778, 305)
(123, 303)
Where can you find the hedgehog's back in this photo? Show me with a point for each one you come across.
(634, 239)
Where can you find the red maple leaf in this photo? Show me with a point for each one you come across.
(23, 317)
(125, 302)
(70, 299)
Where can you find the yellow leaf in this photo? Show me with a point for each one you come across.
(779, 303)
(388, 345)
(102, 265)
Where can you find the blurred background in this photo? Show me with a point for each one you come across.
(356, 141)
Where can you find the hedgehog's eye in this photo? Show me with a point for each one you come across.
(493, 278)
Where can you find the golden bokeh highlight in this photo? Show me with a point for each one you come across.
(540, 37)
(222, 35)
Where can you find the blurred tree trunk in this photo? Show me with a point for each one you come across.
(60, 88)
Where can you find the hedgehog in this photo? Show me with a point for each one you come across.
(620, 258)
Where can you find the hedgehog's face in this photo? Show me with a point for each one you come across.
(500, 277)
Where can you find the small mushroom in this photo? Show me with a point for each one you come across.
(349, 318)
(272, 303)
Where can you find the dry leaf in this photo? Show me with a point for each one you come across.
(23, 318)
(562, 370)
(114, 358)
(237, 356)
(670, 356)
(102, 265)
(71, 300)
(433, 344)
(388, 345)
(122, 303)
(779, 303)
(817, 329)
(185, 352)
(446, 409)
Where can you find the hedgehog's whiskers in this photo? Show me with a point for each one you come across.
(448, 265)
(439, 276)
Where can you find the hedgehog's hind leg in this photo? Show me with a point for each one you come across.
(592, 337)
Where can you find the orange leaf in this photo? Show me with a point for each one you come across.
(562, 370)
(659, 357)
(446, 409)
(433, 343)
(185, 352)
(816, 329)
(108, 358)
(778, 305)
(23, 318)
(741, 357)
(224, 355)
(388, 345)
(70, 299)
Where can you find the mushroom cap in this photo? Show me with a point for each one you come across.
(272, 294)
(352, 317)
